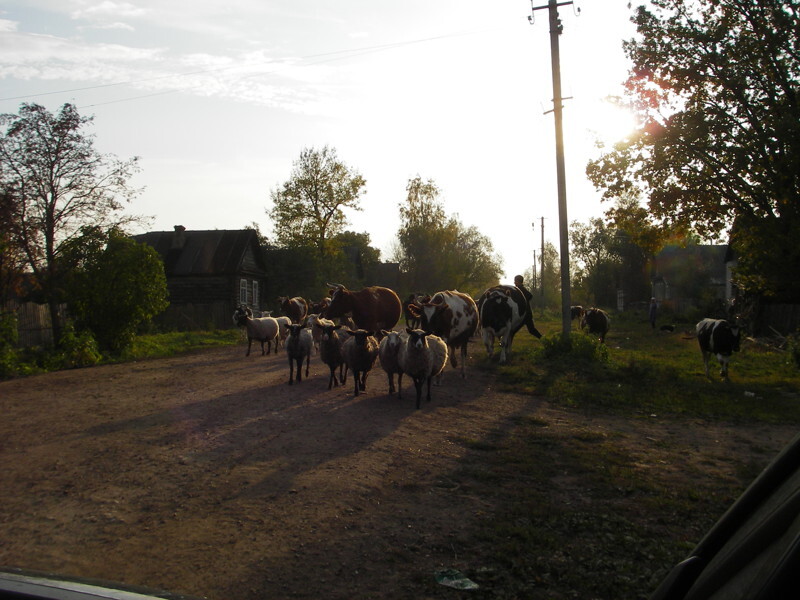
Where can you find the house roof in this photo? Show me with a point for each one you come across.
(217, 251)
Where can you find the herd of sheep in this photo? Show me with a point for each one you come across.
(413, 352)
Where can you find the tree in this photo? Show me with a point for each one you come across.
(12, 257)
(57, 183)
(715, 85)
(437, 252)
(118, 286)
(308, 208)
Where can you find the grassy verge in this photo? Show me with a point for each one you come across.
(80, 350)
(589, 511)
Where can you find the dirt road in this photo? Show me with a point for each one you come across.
(208, 475)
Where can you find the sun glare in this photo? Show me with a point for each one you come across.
(610, 123)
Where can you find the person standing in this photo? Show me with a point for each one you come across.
(653, 311)
(519, 282)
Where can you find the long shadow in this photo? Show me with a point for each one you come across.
(285, 430)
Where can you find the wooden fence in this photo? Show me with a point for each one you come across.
(34, 327)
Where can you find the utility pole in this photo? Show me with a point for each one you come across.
(555, 59)
(541, 268)
(533, 270)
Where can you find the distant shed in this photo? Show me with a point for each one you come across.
(208, 274)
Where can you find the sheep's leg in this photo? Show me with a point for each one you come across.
(390, 376)
(400, 384)
(300, 369)
(428, 398)
(249, 342)
(364, 381)
(343, 377)
(308, 362)
(418, 381)
(356, 383)
(291, 372)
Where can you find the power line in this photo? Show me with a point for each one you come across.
(308, 60)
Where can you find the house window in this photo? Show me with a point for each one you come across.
(243, 291)
(256, 299)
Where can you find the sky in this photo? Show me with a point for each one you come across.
(218, 99)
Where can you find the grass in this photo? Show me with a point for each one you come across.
(579, 515)
(643, 372)
(169, 344)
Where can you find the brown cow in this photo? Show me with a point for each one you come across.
(372, 308)
(295, 308)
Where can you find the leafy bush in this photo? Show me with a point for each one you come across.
(77, 349)
(578, 347)
(8, 341)
(794, 350)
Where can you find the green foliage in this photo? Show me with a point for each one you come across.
(117, 290)
(8, 341)
(794, 351)
(77, 349)
(308, 209)
(59, 183)
(169, 344)
(437, 252)
(579, 347)
(715, 84)
(641, 372)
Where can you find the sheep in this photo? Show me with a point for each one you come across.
(360, 351)
(422, 358)
(388, 351)
(263, 329)
(283, 331)
(316, 332)
(330, 350)
(298, 347)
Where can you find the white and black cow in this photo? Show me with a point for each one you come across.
(451, 315)
(503, 310)
(596, 321)
(720, 337)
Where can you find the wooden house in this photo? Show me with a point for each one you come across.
(208, 273)
(696, 276)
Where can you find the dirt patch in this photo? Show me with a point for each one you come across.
(208, 475)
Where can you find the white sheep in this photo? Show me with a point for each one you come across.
(360, 351)
(283, 331)
(330, 350)
(316, 332)
(388, 354)
(298, 347)
(263, 329)
(422, 358)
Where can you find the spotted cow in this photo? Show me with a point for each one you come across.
(720, 337)
(453, 316)
(596, 321)
(503, 311)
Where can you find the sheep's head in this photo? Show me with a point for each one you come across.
(417, 338)
(294, 329)
(328, 328)
(392, 338)
(241, 315)
(360, 336)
